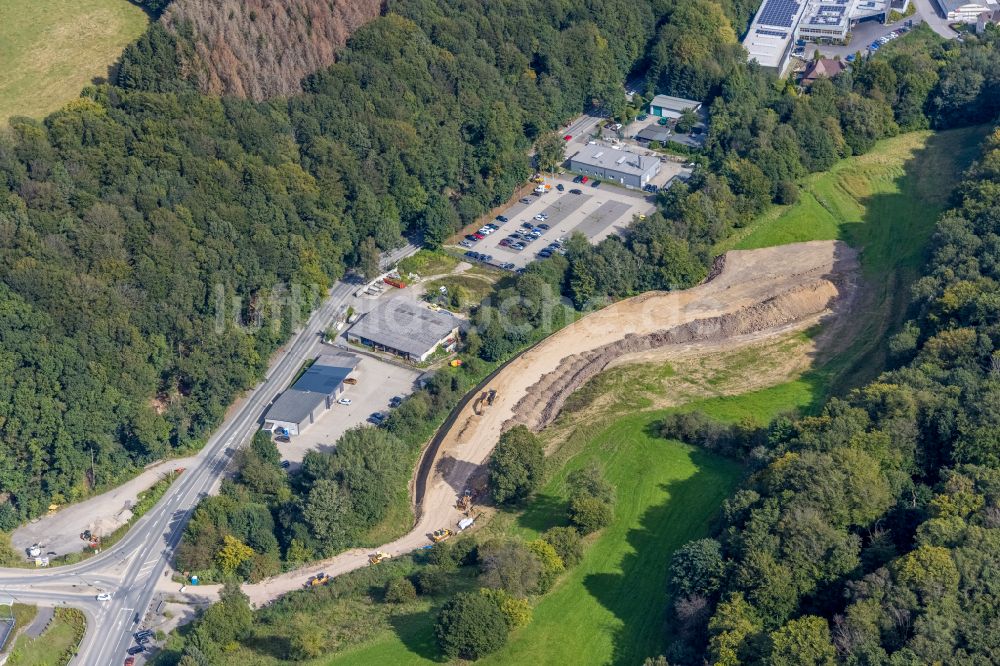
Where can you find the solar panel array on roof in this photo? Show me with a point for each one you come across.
(771, 33)
(779, 12)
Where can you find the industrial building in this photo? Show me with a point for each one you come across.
(666, 106)
(621, 166)
(406, 329)
(968, 11)
(311, 395)
(779, 23)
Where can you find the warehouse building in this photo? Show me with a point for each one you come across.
(622, 166)
(308, 398)
(769, 40)
(406, 329)
(666, 106)
(964, 11)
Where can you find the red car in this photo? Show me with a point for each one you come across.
(567, 137)
(583, 179)
(479, 236)
(504, 243)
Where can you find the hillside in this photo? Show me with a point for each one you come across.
(51, 49)
(259, 49)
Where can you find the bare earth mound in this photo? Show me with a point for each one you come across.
(752, 295)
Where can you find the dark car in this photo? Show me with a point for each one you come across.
(471, 254)
(283, 439)
(501, 219)
(504, 243)
(471, 238)
(528, 225)
(396, 401)
(560, 187)
(577, 179)
(596, 183)
(545, 254)
(135, 649)
(285, 464)
(543, 227)
(576, 191)
(507, 266)
(135, 619)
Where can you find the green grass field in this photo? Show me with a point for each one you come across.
(51, 49)
(54, 647)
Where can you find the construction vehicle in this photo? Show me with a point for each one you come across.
(437, 536)
(377, 557)
(86, 535)
(465, 501)
(317, 580)
(490, 397)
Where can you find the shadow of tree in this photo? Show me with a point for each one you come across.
(637, 596)
(416, 632)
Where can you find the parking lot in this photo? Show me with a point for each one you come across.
(378, 382)
(596, 212)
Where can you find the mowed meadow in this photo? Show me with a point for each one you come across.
(51, 49)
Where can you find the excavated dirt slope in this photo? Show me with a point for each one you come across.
(751, 295)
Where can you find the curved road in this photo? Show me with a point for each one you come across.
(131, 569)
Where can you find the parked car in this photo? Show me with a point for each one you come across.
(285, 464)
(545, 254)
(525, 200)
(596, 183)
(850, 57)
(283, 439)
(560, 187)
(544, 227)
(567, 137)
(577, 179)
(507, 266)
(471, 255)
(502, 220)
(479, 236)
(583, 179)
(517, 246)
(662, 121)
(541, 217)
(396, 401)
(641, 116)
(486, 257)
(104, 596)
(344, 401)
(527, 225)
(504, 243)
(576, 191)
(471, 238)
(466, 243)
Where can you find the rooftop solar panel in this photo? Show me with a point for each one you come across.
(779, 12)
(771, 33)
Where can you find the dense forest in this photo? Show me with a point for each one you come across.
(129, 216)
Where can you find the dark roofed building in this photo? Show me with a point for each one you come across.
(824, 68)
(406, 329)
(314, 392)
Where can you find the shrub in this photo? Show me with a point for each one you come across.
(471, 626)
(552, 564)
(517, 611)
(516, 466)
(567, 543)
(399, 591)
(511, 566)
(433, 581)
(590, 514)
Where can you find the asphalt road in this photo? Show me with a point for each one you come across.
(130, 569)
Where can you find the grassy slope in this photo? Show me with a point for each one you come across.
(51, 49)
(885, 203)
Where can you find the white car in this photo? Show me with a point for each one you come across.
(344, 401)
(104, 596)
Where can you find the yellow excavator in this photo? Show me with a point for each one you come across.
(377, 557)
(440, 535)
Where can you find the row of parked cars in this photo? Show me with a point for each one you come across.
(885, 39)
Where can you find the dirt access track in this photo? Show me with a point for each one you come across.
(749, 296)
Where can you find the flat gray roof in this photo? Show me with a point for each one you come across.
(404, 326)
(322, 379)
(675, 103)
(654, 133)
(622, 161)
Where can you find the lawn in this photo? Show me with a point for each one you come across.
(54, 647)
(51, 49)
(428, 262)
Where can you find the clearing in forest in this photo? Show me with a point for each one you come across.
(51, 49)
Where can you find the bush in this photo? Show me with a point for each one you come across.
(471, 626)
(552, 564)
(786, 193)
(516, 466)
(567, 543)
(511, 566)
(433, 581)
(399, 591)
(590, 514)
(517, 611)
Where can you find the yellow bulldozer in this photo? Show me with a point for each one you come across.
(377, 557)
(317, 580)
(440, 535)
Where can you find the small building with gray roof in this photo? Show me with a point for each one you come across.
(622, 166)
(406, 329)
(311, 395)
